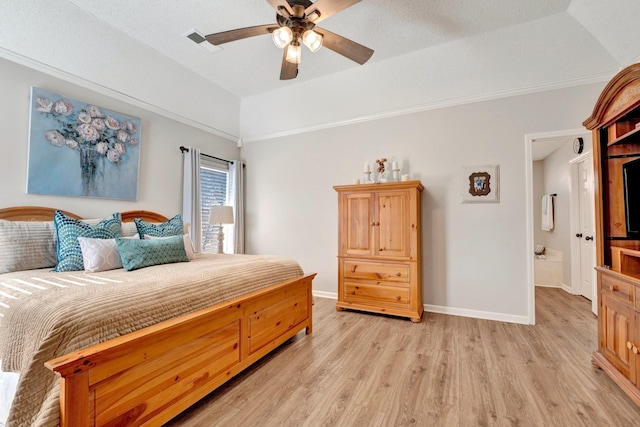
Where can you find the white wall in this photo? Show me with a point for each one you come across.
(557, 179)
(57, 33)
(160, 173)
(474, 255)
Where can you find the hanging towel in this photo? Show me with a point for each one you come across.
(547, 212)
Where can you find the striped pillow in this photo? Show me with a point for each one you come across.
(26, 245)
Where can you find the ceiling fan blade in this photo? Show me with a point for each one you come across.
(326, 8)
(240, 33)
(345, 47)
(279, 5)
(288, 71)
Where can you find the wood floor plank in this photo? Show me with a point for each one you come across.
(374, 370)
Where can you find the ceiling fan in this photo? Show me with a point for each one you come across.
(296, 24)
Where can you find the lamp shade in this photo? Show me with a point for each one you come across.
(282, 36)
(294, 53)
(312, 40)
(221, 215)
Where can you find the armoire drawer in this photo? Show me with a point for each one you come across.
(376, 294)
(617, 288)
(376, 271)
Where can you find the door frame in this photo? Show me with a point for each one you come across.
(529, 139)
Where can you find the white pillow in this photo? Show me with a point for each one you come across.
(99, 254)
(188, 244)
(27, 245)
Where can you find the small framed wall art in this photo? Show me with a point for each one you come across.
(481, 184)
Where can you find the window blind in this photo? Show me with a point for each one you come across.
(214, 188)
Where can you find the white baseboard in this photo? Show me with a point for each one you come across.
(549, 286)
(568, 289)
(486, 315)
(329, 295)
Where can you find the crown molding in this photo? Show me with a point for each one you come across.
(596, 78)
(103, 90)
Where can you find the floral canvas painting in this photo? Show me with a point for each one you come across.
(81, 150)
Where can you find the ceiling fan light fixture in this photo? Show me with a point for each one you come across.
(312, 40)
(282, 36)
(294, 53)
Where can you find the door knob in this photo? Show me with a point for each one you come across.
(579, 235)
(588, 238)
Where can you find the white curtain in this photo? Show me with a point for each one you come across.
(236, 199)
(191, 195)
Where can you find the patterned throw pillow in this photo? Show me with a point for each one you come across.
(99, 254)
(69, 229)
(173, 227)
(145, 253)
(188, 245)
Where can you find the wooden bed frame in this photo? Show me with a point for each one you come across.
(149, 376)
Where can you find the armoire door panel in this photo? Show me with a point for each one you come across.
(358, 224)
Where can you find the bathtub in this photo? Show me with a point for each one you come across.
(547, 271)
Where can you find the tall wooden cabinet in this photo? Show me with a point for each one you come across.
(379, 248)
(615, 123)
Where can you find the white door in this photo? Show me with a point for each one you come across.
(586, 232)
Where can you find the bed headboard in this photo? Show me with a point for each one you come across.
(38, 213)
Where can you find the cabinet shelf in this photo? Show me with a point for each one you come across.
(632, 135)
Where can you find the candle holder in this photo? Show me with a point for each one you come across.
(367, 178)
(396, 175)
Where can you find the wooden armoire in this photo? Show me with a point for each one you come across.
(379, 248)
(615, 123)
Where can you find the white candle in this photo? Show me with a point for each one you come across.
(367, 167)
(394, 165)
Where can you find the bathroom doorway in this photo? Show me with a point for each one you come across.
(553, 170)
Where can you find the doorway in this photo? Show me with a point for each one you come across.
(551, 155)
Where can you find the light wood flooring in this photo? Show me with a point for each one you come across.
(361, 369)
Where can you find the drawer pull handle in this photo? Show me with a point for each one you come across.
(398, 297)
(629, 345)
(614, 288)
(379, 276)
(398, 274)
(353, 270)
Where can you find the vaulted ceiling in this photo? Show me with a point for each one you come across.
(427, 53)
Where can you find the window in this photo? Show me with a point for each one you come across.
(214, 190)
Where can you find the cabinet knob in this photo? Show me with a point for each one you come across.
(588, 238)
(379, 276)
(579, 235)
(353, 270)
(629, 345)
(398, 274)
(635, 350)
(373, 223)
(399, 298)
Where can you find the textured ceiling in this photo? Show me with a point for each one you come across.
(428, 54)
(251, 66)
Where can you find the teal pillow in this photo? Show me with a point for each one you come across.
(136, 253)
(173, 227)
(68, 230)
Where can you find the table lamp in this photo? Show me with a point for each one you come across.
(221, 215)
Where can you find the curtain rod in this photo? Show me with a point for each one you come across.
(185, 149)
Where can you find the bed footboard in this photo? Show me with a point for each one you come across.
(149, 376)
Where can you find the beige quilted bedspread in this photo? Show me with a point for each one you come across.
(44, 315)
